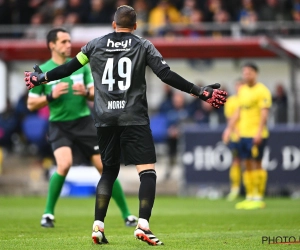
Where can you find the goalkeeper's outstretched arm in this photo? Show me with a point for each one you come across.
(211, 93)
(37, 77)
(64, 70)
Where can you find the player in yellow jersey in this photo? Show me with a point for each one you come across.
(230, 108)
(254, 104)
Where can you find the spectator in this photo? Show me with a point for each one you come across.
(25, 119)
(166, 105)
(142, 9)
(280, 104)
(121, 2)
(296, 12)
(24, 10)
(194, 28)
(76, 11)
(248, 18)
(5, 12)
(72, 18)
(221, 18)
(232, 7)
(34, 29)
(58, 21)
(201, 113)
(249, 24)
(198, 111)
(162, 16)
(99, 13)
(245, 10)
(188, 7)
(8, 126)
(21, 109)
(213, 6)
(48, 11)
(272, 11)
(175, 118)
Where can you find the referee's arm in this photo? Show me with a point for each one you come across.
(36, 102)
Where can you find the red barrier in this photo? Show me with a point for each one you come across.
(169, 48)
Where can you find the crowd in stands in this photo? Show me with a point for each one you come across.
(160, 15)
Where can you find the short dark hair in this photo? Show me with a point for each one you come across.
(251, 65)
(125, 16)
(52, 35)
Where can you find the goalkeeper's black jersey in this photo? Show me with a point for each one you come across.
(118, 62)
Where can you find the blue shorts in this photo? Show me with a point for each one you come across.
(250, 151)
(235, 148)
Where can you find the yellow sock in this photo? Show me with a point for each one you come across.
(263, 177)
(235, 176)
(256, 182)
(260, 180)
(248, 183)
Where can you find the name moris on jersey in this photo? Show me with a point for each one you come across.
(116, 104)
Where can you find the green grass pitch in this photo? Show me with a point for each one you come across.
(181, 223)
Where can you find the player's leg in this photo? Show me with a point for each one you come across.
(147, 191)
(138, 148)
(61, 147)
(109, 147)
(261, 174)
(86, 140)
(235, 179)
(259, 177)
(63, 157)
(118, 195)
(234, 172)
(245, 154)
(103, 195)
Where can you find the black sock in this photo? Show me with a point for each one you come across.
(104, 190)
(147, 193)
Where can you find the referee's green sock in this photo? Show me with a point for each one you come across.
(55, 185)
(119, 197)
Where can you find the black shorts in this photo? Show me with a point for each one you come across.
(135, 143)
(80, 132)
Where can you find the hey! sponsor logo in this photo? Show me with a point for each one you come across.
(122, 44)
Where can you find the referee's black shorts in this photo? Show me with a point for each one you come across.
(80, 132)
(134, 142)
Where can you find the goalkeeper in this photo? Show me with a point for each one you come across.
(118, 61)
(70, 122)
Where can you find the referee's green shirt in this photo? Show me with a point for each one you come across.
(68, 106)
